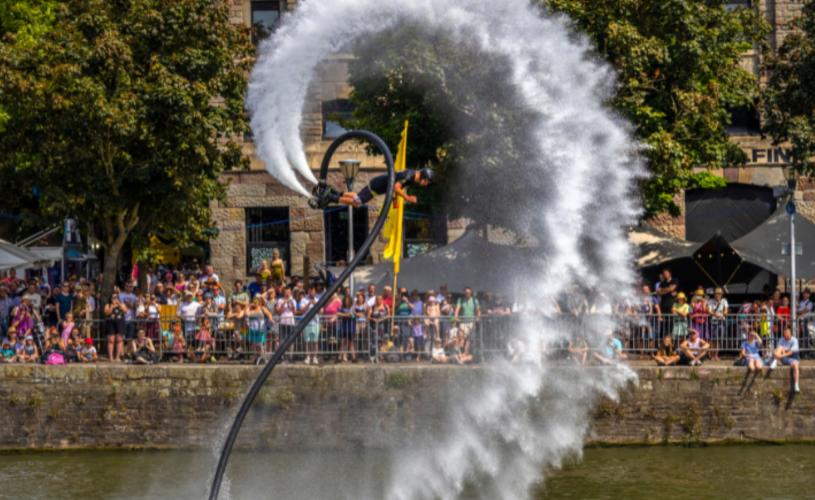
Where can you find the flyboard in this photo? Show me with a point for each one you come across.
(229, 442)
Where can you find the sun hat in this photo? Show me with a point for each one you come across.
(718, 290)
(681, 295)
(29, 337)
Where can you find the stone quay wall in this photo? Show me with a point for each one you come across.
(107, 406)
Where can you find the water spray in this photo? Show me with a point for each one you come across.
(229, 442)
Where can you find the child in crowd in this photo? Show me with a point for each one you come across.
(7, 354)
(667, 355)
(178, 346)
(88, 352)
(29, 353)
(437, 355)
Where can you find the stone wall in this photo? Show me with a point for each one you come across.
(370, 406)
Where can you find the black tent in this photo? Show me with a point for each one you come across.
(708, 264)
(764, 246)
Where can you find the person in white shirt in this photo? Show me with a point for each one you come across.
(188, 312)
(788, 353)
(370, 296)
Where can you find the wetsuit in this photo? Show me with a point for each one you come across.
(376, 186)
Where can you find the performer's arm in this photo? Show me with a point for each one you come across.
(397, 189)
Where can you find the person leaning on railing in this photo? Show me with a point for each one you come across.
(680, 311)
(467, 312)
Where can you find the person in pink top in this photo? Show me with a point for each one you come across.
(330, 315)
(67, 327)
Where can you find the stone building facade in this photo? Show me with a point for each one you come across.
(260, 214)
(256, 202)
(766, 163)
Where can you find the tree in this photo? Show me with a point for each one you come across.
(21, 23)
(125, 117)
(789, 98)
(677, 64)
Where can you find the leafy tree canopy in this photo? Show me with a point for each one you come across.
(789, 99)
(124, 117)
(678, 71)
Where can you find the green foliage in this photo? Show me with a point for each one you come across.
(125, 116)
(789, 99)
(677, 64)
(22, 22)
(678, 70)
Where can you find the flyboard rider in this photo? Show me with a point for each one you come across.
(324, 195)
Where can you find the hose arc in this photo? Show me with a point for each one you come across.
(277, 356)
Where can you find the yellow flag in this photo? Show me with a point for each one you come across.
(393, 226)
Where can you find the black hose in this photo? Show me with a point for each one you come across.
(287, 342)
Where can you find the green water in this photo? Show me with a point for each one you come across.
(743, 472)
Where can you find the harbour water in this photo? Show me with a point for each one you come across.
(744, 472)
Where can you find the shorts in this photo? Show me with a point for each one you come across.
(311, 332)
(789, 361)
(114, 327)
(256, 336)
(365, 195)
(465, 329)
(684, 359)
(130, 330)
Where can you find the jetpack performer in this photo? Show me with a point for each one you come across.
(324, 195)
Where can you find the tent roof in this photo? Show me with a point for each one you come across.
(12, 256)
(470, 261)
(655, 247)
(763, 245)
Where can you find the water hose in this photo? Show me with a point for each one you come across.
(229, 443)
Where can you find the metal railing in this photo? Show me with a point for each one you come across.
(412, 338)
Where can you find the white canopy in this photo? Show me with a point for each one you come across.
(14, 257)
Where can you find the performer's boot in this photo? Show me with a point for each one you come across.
(322, 196)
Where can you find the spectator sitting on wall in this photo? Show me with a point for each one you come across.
(693, 349)
(455, 351)
(666, 355)
(788, 353)
(437, 354)
(29, 352)
(389, 352)
(72, 347)
(88, 352)
(7, 354)
(53, 352)
(612, 351)
(750, 355)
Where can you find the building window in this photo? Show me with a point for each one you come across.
(744, 120)
(737, 4)
(423, 232)
(334, 113)
(265, 16)
(267, 229)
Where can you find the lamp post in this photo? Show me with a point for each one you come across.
(791, 175)
(350, 169)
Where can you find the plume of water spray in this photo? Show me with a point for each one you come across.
(526, 415)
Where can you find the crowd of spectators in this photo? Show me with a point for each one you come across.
(188, 315)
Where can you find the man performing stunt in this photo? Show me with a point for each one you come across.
(324, 195)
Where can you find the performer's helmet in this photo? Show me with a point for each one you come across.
(426, 174)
